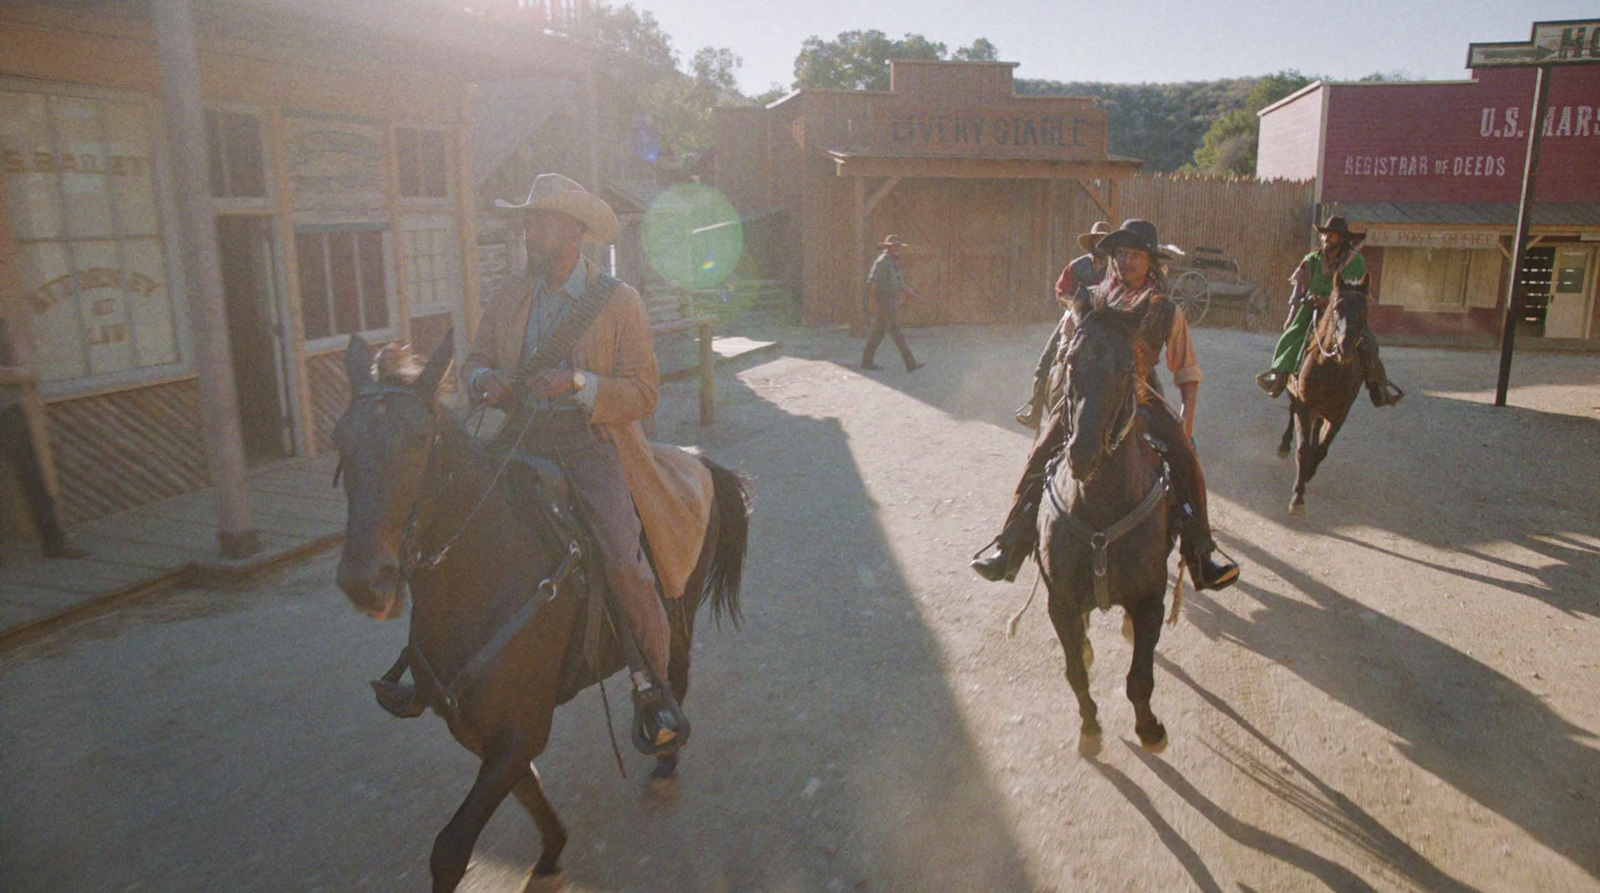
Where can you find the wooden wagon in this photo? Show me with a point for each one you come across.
(1207, 279)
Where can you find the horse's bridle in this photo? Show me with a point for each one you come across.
(1122, 423)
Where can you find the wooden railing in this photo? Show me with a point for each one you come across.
(706, 367)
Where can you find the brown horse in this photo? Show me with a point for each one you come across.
(1105, 527)
(1329, 379)
(499, 591)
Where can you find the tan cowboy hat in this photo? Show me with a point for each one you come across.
(553, 192)
(1090, 239)
(892, 241)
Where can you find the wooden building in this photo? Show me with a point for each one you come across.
(341, 187)
(972, 176)
(1432, 172)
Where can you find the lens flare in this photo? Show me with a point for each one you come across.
(692, 236)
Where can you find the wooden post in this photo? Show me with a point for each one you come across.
(197, 241)
(858, 273)
(708, 376)
(1530, 172)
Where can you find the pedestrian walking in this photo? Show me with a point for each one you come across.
(884, 284)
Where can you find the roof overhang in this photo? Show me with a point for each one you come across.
(1502, 215)
(848, 164)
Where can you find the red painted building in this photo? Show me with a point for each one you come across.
(1432, 171)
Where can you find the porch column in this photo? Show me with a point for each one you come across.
(197, 243)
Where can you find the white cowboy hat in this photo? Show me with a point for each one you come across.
(553, 192)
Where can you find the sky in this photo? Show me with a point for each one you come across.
(1155, 41)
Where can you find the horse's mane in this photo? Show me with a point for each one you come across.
(398, 364)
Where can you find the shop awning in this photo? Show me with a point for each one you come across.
(1495, 214)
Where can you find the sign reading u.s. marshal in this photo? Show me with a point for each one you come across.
(1553, 43)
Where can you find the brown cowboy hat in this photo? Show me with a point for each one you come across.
(553, 192)
(1136, 234)
(1090, 239)
(892, 241)
(1337, 224)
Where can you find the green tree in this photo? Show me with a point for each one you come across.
(1229, 147)
(980, 51)
(859, 60)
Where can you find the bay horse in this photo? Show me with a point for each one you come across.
(1105, 526)
(425, 513)
(1327, 383)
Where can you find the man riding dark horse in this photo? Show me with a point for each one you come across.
(1082, 274)
(1136, 283)
(566, 351)
(1338, 258)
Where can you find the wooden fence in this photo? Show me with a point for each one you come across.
(1264, 225)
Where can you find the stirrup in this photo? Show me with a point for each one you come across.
(659, 726)
(397, 698)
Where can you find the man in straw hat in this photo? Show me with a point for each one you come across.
(1082, 274)
(1136, 283)
(571, 345)
(1313, 280)
(884, 284)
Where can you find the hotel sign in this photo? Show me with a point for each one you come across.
(1570, 42)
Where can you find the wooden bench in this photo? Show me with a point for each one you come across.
(706, 367)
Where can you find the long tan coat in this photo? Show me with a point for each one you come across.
(671, 489)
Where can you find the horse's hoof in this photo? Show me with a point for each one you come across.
(1157, 743)
(545, 883)
(1283, 452)
(661, 790)
(1297, 508)
(1089, 745)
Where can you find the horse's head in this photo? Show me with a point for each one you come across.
(385, 440)
(1102, 386)
(1347, 314)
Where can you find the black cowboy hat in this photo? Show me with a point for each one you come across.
(1337, 224)
(1136, 234)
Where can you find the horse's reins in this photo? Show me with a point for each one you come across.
(1101, 540)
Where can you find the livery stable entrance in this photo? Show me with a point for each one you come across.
(975, 178)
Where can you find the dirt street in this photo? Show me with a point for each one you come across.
(1399, 695)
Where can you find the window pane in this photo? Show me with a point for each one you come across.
(49, 294)
(246, 170)
(346, 288)
(149, 303)
(433, 164)
(79, 150)
(215, 155)
(132, 181)
(27, 160)
(102, 306)
(309, 255)
(405, 147)
(375, 294)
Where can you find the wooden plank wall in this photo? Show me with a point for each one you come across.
(117, 451)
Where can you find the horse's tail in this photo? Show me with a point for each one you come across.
(732, 496)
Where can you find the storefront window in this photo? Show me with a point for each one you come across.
(1440, 278)
(343, 286)
(79, 185)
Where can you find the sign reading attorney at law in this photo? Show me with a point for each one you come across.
(1397, 237)
(1576, 41)
(1032, 130)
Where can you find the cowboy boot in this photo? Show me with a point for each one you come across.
(1382, 391)
(1011, 550)
(658, 724)
(398, 698)
(1199, 553)
(1273, 382)
(1029, 414)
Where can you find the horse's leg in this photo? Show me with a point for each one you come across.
(1141, 674)
(552, 834)
(1288, 431)
(452, 849)
(1070, 629)
(1305, 423)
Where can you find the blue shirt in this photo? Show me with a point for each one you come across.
(549, 308)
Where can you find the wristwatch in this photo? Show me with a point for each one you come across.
(579, 379)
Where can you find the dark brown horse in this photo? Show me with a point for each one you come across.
(1329, 379)
(1105, 526)
(497, 597)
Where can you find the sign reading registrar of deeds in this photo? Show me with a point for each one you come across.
(1553, 43)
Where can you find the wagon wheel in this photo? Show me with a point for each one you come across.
(1255, 313)
(1193, 294)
